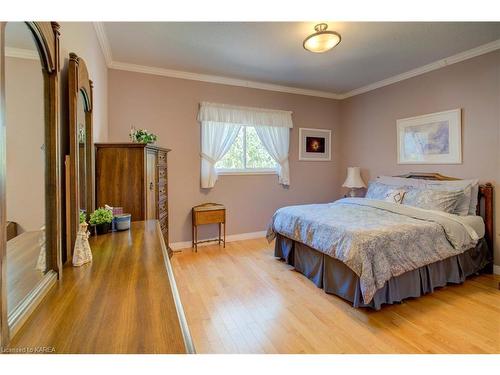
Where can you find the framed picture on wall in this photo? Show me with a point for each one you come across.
(435, 138)
(315, 144)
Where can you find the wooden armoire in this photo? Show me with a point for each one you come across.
(133, 176)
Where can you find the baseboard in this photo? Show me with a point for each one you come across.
(22, 312)
(178, 246)
(496, 269)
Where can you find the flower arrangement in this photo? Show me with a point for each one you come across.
(83, 217)
(142, 136)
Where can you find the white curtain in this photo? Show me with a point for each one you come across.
(220, 124)
(216, 140)
(276, 140)
(247, 116)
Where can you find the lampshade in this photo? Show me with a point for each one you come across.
(354, 179)
(322, 40)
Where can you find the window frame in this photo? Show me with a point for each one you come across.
(245, 170)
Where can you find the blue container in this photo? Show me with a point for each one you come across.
(122, 221)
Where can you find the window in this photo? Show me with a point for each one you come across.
(246, 155)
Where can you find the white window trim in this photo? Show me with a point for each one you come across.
(248, 171)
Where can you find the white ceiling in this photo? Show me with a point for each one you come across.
(271, 52)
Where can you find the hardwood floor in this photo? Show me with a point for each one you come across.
(242, 300)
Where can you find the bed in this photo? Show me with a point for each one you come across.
(371, 252)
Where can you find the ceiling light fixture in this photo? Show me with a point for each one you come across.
(322, 40)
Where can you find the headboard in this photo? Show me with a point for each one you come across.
(484, 201)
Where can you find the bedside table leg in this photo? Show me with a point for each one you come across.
(224, 235)
(195, 238)
(220, 233)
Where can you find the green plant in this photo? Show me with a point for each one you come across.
(83, 217)
(101, 216)
(142, 136)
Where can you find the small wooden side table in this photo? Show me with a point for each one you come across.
(208, 213)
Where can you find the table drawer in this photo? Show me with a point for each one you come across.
(209, 217)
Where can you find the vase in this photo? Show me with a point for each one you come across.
(82, 253)
(102, 228)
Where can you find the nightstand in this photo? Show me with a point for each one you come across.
(208, 213)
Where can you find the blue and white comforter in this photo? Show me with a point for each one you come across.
(377, 240)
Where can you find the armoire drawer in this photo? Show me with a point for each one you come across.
(162, 192)
(162, 158)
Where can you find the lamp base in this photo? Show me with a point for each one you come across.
(352, 193)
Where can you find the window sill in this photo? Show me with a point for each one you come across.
(245, 172)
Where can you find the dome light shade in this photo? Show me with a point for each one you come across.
(322, 40)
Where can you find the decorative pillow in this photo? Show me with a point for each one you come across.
(376, 190)
(395, 196)
(466, 203)
(440, 200)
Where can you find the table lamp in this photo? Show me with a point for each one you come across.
(353, 180)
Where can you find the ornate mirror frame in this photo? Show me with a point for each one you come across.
(46, 37)
(79, 82)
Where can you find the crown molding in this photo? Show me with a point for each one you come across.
(103, 42)
(219, 79)
(462, 56)
(22, 53)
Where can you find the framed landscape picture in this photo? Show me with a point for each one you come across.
(435, 138)
(315, 144)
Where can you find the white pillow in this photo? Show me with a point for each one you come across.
(401, 181)
(466, 205)
(430, 199)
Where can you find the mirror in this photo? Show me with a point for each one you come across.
(81, 147)
(29, 169)
(26, 159)
(82, 153)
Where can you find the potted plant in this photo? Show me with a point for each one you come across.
(83, 217)
(142, 136)
(101, 219)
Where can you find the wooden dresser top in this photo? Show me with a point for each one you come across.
(130, 145)
(123, 302)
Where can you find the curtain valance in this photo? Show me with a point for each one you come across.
(245, 116)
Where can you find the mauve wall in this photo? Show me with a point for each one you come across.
(169, 106)
(368, 122)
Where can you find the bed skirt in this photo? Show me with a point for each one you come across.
(336, 278)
